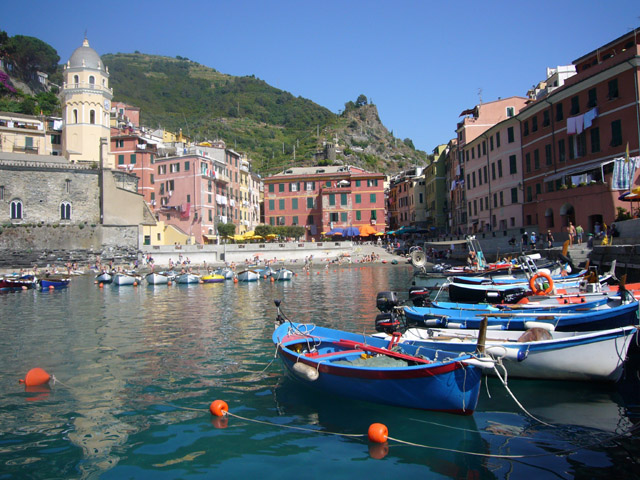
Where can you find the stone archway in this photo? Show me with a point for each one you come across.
(567, 214)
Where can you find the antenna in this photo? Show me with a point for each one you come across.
(480, 95)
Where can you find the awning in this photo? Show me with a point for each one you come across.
(445, 243)
(367, 230)
(583, 168)
(210, 237)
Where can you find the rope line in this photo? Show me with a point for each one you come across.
(516, 400)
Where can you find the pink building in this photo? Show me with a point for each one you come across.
(135, 155)
(572, 137)
(322, 198)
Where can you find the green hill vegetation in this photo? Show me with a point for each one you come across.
(276, 129)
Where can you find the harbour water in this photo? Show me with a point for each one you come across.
(137, 368)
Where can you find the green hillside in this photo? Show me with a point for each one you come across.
(271, 125)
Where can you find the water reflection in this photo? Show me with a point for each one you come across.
(140, 365)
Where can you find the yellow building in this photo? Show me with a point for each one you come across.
(86, 108)
(29, 134)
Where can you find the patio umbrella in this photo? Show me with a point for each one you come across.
(367, 230)
(351, 232)
(250, 234)
(334, 231)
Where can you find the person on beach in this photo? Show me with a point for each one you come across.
(549, 239)
(571, 230)
(579, 232)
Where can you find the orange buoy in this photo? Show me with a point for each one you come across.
(235, 280)
(378, 433)
(273, 279)
(168, 282)
(523, 301)
(135, 284)
(51, 287)
(36, 376)
(218, 408)
(101, 285)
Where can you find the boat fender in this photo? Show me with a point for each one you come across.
(544, 325)
(306, 372)
(433, 322)
(522, 354)
(480, 362)
(499, 351)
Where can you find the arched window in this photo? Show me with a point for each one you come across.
(16, 210)
(75, 115)
(76, 79)
(92, 116)
(92, 80)
(65, 211)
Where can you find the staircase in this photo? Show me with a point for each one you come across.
(579, 254)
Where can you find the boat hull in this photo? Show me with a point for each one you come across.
(157, 279)
(248, 276)
(47, 283)
(187, 278)
(451, 386)
(573, 356)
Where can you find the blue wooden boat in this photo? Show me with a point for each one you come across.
(53, 282)
(363, 368)
(613, 314)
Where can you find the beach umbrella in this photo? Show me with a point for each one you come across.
(334, 231)
(367, 230)
(351, 232)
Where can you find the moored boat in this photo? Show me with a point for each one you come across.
(53, 282)
(160, 278)
(226, 272)
(282, 274)
(187, 278)
(212, 278)
(122, 279)
(18, 282)
(104, 277)
(363, 368)
(248, 276)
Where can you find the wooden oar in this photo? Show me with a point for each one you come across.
(388, 353)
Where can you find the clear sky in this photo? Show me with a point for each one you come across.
(420, 62)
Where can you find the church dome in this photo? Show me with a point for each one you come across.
(86, 57)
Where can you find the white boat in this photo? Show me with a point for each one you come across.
(587, 356)
(104, 277)
(248, 276)
(282, 274)
(226, 272)
(158, 278)
(126, 279)
(185, 278)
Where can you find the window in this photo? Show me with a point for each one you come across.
(616, 133)
(75, 116)
(502, 198)
(473, 179)
(538, 188)
(1, 192)
(311, 186)
(272, 205)
(188, 198)
(534, 124)
(562, 151)
(358, 198)
(327, 184)
(186, 167)
(514, 195)
(510, 136)
(294, 204)
(613, 89)
(486, 177)
(511, 111)
(527, 162)
(272, 220)
(595, 140)
(484, 148)
(358, 215)
(493, 171)
(210, 215)
(309, 202)
(281, 187)
(491, 143)
(76, 79)
(559, 113)
(572, 151)
(333, 217)
(374, 215)
(480, 177)
(575, 105)
(545, 118)
(132, 158)
(500, 168)
(119, 143)
(92, 117)
(175, 168)
(92, 80)
(294, 186)
(529, 194)
(592, 98)
(357, 183)
(120, 159)
(547, 154)
(65, 211)
(536, 159)
(281, 204)
(16, 210)
(372, 198)
(525, 128)
(497, 139)
(343, 199)
(332, 199)
(343, 217)
(581, 140)
(495, 200)
(272, 188)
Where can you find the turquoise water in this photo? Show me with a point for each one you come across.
(137, 368)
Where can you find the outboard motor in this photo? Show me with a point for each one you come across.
(387, 301)
(419, 296)
(387, 322)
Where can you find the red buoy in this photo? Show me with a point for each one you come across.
(36, 376)
(378, 433)
(218, 408)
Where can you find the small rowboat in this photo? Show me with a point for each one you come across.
(212, 278)
(16, 282)
(187, 278)
(122, 279)
(364, 368)
(227, 273)
(161, 278)
(53, 282)
(282, 274)
(248, 276)
(104, 277)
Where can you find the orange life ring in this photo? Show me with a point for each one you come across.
(534, 286)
